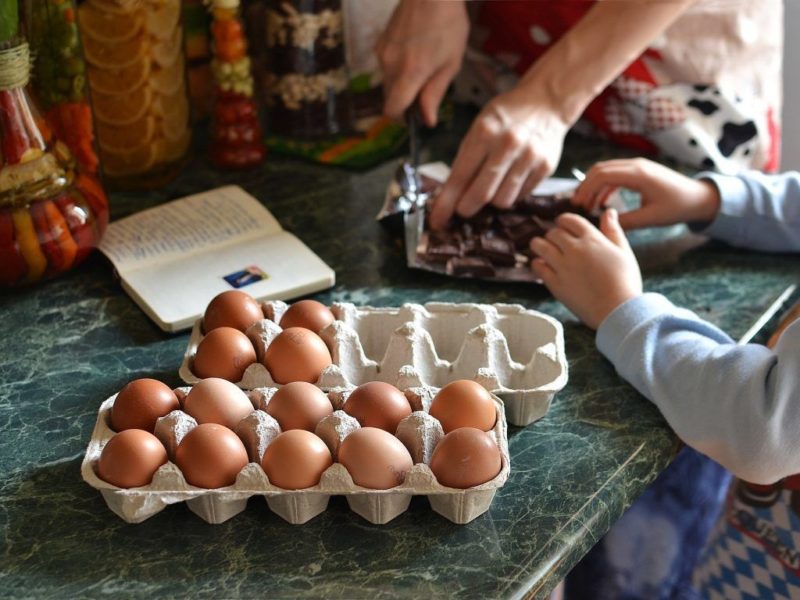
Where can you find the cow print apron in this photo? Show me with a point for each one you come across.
(707, 93)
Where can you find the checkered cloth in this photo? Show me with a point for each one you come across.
(754, 553)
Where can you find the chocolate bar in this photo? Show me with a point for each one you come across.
(498, 250)
(495, 239)
(470, 266)
(544, 207)
(443, 246)
(522, 234)
(508, 220)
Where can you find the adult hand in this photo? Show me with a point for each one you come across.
(420, 52)
(514, 143)
(667, 196)
(591, 271)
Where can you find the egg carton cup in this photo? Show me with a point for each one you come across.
(516, 353)
(420, 432)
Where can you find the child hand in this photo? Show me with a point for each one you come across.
(591, 272)
(667, 196)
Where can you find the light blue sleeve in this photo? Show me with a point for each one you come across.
(738, 404)
(757, 211)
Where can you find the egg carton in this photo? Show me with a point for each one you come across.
(516, 353)
(420, 432)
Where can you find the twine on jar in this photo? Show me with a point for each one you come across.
(15, 67)
(223, 4)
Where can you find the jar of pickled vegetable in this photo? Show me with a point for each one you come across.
(236, 140)
(59, 77)
(52, 213)
(136, 70)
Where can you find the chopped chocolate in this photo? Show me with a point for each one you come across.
(442, 247)
(495, 239)
(497, 249)
(470, 266)
(443, 237)
(543, 207)
(467, 230)
(484, 218)
(523, 233)
(511, 219)
(469, 246)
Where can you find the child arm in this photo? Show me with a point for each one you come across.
(750, 210)
(757, 211)
(738, 404)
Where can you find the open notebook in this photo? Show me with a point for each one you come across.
(174, 258)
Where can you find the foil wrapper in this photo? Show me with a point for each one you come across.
(493, 245)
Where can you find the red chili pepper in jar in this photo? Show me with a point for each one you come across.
(80, 222)
(47, 241)
(95, 197)
(12, 127)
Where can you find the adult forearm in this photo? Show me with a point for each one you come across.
(597, 49)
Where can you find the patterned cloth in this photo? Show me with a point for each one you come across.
(706, 93)
(754, 552)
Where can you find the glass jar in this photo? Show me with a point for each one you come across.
(59, 77)
(305, 78)
(236, 140)
(137, 76)
(51, 212)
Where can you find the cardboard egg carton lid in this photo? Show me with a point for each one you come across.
(516, 353)
(420, 432)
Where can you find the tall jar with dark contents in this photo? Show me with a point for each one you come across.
(305, 78)
(136, 70)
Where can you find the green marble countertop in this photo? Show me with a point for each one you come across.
(70, 343)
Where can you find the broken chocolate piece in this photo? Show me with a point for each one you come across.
(543, 207)
(523, 233)
(497, 249)
(484, 219)
(470, 266)
(511, 219)
(442, 246)
(563, 205)
(467, 230)
(469, 246)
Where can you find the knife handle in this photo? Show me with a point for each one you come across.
(413, 118)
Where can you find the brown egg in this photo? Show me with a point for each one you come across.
(309, 314)
(232, 309)
(218, 401)
(374, 458)
(299, 405)
(211, 456)
(225, 353)
(296, 354)
(140, 403)
(296, 459)
(378, 404)
(131, 458)
(464, 403)
(465, 458)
